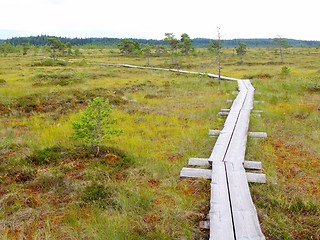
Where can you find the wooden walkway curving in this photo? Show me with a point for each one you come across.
(232, 212)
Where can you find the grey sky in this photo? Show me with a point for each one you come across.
(151, 19)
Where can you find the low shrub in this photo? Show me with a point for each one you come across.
(285, 70)
(103, 196)
(115, 157)
(49, 62)
(47, 181)
(23, 174)
(46, 155)
(63, 79)
(2, 82)
(258, 76)
(313, 86)
(307, 207)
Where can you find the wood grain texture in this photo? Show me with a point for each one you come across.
(229, 179)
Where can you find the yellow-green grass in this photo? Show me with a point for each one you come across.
(165, 119)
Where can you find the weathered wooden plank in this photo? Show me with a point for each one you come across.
(221, 77)
(207, 173)
(257, 111)
(203, 162)
(196, 173)
(220, 147)
(250, 134)
(253, 165)
(223, 114)
(221, 224)
(229, 181)
(237, 146)
(244, 214)
(258, 134)
(256, 177)
(214, 132)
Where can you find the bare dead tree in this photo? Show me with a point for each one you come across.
(282, 43)
(219, 55)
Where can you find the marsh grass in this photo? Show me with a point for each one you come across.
(134, 192)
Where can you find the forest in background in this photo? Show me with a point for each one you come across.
(197, 42)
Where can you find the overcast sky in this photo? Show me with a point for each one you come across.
(151, 19)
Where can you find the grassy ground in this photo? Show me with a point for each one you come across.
(51, 187)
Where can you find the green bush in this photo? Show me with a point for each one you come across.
(95, 124)
(103, 196)
(46, 155)
(116, 158)
(2, 82)
(285, 70)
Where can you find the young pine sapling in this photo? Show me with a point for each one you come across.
(95, 124)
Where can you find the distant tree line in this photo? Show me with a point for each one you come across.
(43, 40)
(197, 42)
(259, 42)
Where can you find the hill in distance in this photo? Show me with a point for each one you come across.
(198, 42)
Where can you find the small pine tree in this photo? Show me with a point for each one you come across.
(185, 44)
(94, 124)
(241, 51)
(174, 44)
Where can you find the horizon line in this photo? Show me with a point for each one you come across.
(142, 38)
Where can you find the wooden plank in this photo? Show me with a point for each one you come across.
(221, 226)
(214, 132)
(257, 111)
(237, 146)
(196, 173)
(207, 173)
(223, 114)
(244, 214)
(229, 181)
(220, 147)
(258, 134)
(250, 134)
(245, 217)
(253, 165)
(256, 177)
(204, 162)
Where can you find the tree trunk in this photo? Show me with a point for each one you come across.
(172, 56)
(281, 53)
(219, 52)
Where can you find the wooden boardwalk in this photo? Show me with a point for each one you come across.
(232, 213)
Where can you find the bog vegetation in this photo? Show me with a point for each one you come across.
(53, 186)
